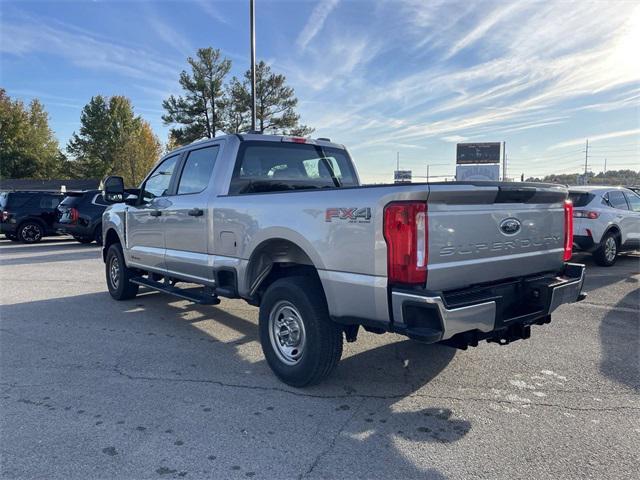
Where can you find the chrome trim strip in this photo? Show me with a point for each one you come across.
(567, 292)
(481, 316)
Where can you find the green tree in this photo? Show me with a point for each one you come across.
(138, 154)
(275, 104)
(113, 140)
(198, 111)
(28, 147)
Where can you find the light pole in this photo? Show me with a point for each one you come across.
(252, 15)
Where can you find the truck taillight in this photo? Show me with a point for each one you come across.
(74, 214)
(405, 231)
(568, 230)
(5, 215)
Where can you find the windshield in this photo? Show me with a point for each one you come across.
(272, 166)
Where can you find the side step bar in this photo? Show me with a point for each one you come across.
(201, 298)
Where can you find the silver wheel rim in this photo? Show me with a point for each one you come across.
(610, 248)
(31, 233)
(286, 332)
(114, 272)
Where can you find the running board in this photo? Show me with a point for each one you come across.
(195, 297)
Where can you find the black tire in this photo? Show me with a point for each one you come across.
(30, 232)
(321, 346)
(607, 252)
(83, 239)
(97, 234)
(118, 281)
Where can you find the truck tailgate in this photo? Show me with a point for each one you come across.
(480, 233)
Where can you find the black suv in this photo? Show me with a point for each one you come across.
(80, 215)
(28, 216)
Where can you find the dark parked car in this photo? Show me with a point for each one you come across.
(28, 216)
(80, 215)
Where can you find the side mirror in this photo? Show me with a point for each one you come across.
(113, 189)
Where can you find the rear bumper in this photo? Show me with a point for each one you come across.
(74, 230)
(584, 242)
(493, 312)
(9, 228)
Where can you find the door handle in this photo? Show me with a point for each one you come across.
(155, 213)
(195, 212)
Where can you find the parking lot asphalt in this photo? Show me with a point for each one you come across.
(156, 387)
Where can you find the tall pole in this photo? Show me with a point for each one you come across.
(397, 160)
(504, 161)
(427, 173)
(586, 157)
(252, 9)
(605, 165)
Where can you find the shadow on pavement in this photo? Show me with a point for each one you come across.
(80, 254)
(620, 343)
(599, 277)
(365, 389)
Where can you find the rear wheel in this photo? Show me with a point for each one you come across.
(301, 343)
(119, 275)
(607, 252)
(30, 232)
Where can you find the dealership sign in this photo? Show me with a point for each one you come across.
(402, 176)
(470, 153)
(478, 172)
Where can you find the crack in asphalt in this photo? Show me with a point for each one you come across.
(332, 442)
(608, 307)
(117, 370)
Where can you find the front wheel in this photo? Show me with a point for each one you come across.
(301, 344)
(607, 252)
(119, 275)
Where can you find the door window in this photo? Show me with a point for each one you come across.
(157, 184)
(634, 201)
(617, 200)
(197, 170)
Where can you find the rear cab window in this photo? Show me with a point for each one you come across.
(264, 166)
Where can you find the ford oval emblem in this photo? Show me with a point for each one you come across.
(510, 226)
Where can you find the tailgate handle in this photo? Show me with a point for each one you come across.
(155, 213)
(196, 212)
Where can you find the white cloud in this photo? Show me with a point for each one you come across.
(454, 138)
(635, 132)
(500, 13)
(211, 11)
(84, 50)
(316, 22)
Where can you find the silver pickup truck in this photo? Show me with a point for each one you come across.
(283, 223)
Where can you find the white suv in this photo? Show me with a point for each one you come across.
(606, 221)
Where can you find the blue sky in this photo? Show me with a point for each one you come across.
(406, 76)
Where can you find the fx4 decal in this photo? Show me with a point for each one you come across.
(352, 215)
